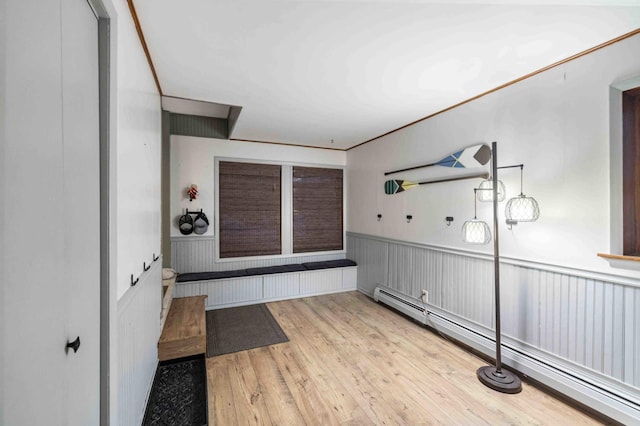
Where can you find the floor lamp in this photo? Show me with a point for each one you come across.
(494, 376)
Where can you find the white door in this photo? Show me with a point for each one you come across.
(49, 214)
(80, 126)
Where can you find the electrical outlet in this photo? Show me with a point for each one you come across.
(424, 296)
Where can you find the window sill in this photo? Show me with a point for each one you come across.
(622, 261)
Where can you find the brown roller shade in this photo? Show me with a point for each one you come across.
(317, 209)
(250, 209)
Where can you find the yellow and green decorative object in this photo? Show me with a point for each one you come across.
(395, 186)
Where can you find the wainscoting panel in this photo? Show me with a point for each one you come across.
(323, 281)
(138, 334)
(194, 254)
(583, 324)
(583, 320)
(281, 285)
(466, 287)
(230, 292)
(197, 254)
(372, 260)
(350, 278)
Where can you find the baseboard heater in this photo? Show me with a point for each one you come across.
(599, 393)
(409, 306)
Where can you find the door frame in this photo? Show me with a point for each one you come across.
(107, 305)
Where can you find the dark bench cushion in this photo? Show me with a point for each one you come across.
(278, 269)
(203, 276)
(327, 264)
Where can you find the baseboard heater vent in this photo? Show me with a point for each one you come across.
(409, 306)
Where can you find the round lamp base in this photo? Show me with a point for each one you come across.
(502, 381)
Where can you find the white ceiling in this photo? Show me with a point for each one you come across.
(309, 72)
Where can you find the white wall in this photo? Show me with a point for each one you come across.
(138, 334)
(138, 158)
(192, 162)
(556, 123)
(135, 233)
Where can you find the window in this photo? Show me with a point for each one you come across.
(278, 209)
(631, 171)
(317, 209)
(249, 209)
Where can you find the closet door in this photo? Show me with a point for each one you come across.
(81, 175)
(50, 224)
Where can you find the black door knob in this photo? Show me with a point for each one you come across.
(73, 345)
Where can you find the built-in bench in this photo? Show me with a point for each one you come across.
(269, 283)
(184, 333)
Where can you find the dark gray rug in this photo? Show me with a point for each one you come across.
(179, 394)
(242, 328)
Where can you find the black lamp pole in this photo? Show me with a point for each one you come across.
(494, 376)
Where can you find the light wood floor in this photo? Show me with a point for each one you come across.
(351, 361)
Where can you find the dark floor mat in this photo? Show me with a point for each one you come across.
(179, 394)
(242, 328)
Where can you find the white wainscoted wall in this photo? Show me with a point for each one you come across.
(138, 335)
(135, 224)
(570, 319)
(574, 330)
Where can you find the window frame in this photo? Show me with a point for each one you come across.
(286, 221)
(631, 172)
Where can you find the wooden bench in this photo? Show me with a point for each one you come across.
(185, 330)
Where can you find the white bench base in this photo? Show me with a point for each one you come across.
(229, 292)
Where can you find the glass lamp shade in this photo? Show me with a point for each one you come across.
(522, 209)
(476, 231)
(485, 191)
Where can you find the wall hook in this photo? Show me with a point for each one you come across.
(409, 217)
(510, 223)
(145, 267)
(134, 282)
(449, 219)
(155, 257)
(379, 217)
(72, 345)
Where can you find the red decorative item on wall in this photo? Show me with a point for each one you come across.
(192, 192)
